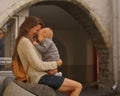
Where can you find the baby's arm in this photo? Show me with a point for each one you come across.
(52, 72)
(42, 47)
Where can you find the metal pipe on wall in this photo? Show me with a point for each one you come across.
(115, 42)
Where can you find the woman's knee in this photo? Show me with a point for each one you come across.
(69, 85)
(74, 84)
(78, 86)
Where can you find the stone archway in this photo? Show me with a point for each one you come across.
(82, 15)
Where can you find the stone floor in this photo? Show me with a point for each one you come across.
(92, 91)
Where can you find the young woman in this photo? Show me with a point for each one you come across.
(37, 69)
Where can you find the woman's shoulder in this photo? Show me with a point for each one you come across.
(24, 43)
(24, 39)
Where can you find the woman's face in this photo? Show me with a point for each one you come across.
(33, 31)
(41, 36)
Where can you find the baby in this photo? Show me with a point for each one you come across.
(47, 47)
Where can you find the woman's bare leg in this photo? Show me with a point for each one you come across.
(70, 86)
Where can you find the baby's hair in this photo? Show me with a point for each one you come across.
(48, 31)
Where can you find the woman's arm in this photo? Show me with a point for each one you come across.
(33, 56)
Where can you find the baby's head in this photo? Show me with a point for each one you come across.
(46, 33)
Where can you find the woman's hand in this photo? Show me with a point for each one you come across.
(59, 62)
(52, 72)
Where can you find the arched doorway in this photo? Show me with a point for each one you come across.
(77, 43)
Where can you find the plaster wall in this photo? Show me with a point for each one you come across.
(102, 10)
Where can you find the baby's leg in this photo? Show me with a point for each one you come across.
(58, 74)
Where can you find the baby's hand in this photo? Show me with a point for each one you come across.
(59, 62)
(34, 42)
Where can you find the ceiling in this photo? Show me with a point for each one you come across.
(54, 17)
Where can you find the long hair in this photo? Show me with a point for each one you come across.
(29, 23)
